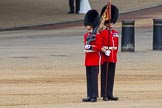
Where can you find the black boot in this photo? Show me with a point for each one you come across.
(93, 99)
(112, 98)
(105, 98)
(88, 99)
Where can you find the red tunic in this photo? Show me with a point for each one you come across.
(92, 56)
(110, 43)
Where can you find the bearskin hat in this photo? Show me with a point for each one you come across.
(114, 13)
(92, 18)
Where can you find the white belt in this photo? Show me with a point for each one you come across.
(88, 51)
(110, 48)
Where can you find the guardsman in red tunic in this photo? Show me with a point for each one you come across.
(109, 55)
(92, 48)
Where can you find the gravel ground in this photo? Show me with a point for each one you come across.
(44, 68)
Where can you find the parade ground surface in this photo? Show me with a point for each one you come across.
(44, 68)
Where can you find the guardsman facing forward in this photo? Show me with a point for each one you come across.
(92, 47)
(109, 55)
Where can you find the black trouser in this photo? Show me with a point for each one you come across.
(77, 4)
(107, 79)
(92, 81)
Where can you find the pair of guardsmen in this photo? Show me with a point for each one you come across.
(102, 44)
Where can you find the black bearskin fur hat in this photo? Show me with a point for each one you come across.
(92, 18)
(114, 13)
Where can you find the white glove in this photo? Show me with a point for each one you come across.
(87, 47)
(107, 52)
